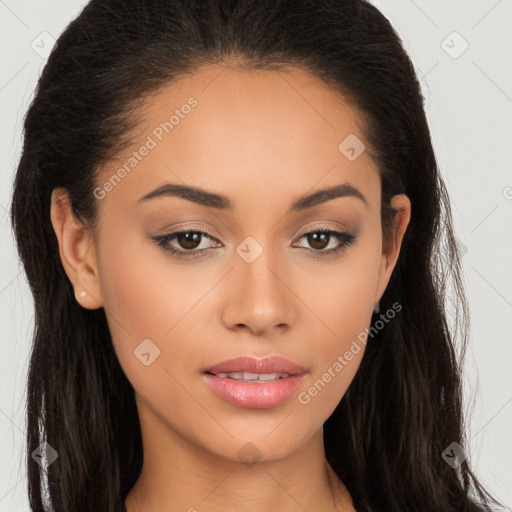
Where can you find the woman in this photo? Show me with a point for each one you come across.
(231, 219)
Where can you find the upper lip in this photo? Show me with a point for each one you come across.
(272, 364)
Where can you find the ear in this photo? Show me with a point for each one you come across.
(77, 251)
(391, 248)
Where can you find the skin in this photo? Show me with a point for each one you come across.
(264, 139)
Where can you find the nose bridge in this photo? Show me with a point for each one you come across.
(260, 274)
(259, 299)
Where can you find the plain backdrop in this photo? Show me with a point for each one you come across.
(462, 51)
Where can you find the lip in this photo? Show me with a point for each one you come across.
(269, 364)
(255, 395)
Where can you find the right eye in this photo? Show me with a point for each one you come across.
(188, 239)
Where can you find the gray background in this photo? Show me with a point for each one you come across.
(469, 107)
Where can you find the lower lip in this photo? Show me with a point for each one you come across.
(254, 395)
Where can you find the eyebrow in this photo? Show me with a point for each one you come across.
(213, 200)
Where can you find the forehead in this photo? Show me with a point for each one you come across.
(223, 129)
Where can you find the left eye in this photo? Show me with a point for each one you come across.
(190, 241)
(318, 238)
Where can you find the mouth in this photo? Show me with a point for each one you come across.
(255, 383)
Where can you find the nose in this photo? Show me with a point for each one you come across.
(259, 298)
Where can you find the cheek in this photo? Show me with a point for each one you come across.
(153, 306)
(342, 299)
(341, 294)
(149, 308)
(144, 291)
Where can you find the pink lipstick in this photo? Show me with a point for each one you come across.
(253, 382)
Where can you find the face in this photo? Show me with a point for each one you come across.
(257, 272)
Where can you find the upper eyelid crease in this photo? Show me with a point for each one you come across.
(213, 200)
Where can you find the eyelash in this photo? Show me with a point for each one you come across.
(163, 242)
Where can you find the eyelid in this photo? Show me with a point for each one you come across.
(323, 226)
(304, 231)
(337, 229)
(187, 227)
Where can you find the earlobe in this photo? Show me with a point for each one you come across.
(76, 251)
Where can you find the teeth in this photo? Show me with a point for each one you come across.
(272, 376)
(253, 377)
